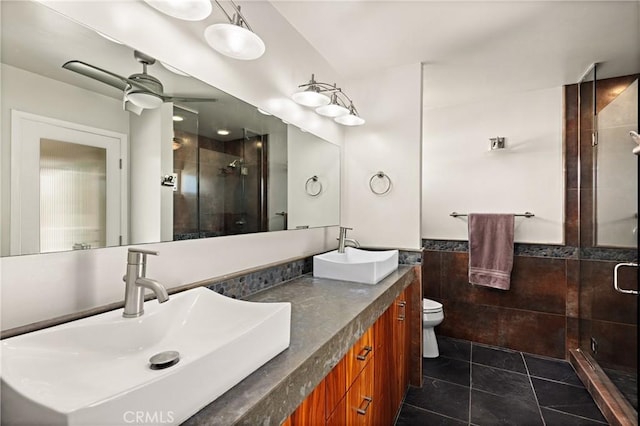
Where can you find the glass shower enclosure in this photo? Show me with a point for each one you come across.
(608, 200)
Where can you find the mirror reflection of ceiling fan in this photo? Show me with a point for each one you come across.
(140, 91)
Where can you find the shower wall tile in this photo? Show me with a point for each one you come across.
(467, 321)
(533, 332)
(537, 284)
(606, 303)
(431, 270)
(573, 335)
(573, 288)
(572, 218)
(617, 346)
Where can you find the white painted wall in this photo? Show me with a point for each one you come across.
(390, 141)
(55, 100)
(44, 286)
(461, 174)
(150, 147)
(311, 156)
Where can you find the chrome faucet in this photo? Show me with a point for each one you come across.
(136, 281)
(343, 240)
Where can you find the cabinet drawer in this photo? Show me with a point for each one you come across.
(360, 403)
(359, 355)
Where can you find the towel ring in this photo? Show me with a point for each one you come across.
(306, 186)
(380, 175)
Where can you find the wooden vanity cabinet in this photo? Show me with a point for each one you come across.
(367, 386)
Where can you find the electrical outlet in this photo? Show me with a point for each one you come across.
(594, 345)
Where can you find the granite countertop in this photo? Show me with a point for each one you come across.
(327, 318)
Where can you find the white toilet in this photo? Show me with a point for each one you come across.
(432, 315)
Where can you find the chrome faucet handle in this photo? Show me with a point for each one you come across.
(346, 228)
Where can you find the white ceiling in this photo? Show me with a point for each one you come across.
(472, 50)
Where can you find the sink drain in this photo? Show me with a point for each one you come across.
(164, 359)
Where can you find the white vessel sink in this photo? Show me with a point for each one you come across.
(362, 266)
(96, 371)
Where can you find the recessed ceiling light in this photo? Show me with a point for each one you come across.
(178, 118)
(223, 132)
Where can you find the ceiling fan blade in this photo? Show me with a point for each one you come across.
(99, 74)
(187, 99)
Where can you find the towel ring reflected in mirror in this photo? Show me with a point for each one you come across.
(309, 186)
(386, 182)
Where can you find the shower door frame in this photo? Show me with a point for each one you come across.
(615, 407)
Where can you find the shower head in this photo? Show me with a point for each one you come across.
(235, 163)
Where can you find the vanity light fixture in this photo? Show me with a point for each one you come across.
(235, 39)
(188, 10)
(311, 94)
(178, 118)
(339, 106)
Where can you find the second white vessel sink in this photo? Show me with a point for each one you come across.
(96, 370)
(362, 266)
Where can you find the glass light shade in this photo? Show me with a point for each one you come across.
(349, 120)
(310, 98)
(332, 110)
(144, 99)
(234, 41)
(188, 10)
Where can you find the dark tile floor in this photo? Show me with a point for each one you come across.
(473, 384)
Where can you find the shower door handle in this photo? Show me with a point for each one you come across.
(615, 278)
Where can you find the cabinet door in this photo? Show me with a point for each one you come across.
(359, 399)
(359, 355)
(383, 413)
(399, 351)
(312, 409)
(336, 387)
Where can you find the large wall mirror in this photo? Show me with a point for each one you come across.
(90, 161)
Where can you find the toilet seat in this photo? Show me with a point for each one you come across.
(431, 306)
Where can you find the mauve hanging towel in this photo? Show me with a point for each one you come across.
(491, 249)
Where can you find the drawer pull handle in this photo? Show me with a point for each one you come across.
(364, 353)
(364, 405)
(402, 315)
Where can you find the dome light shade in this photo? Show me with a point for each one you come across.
(334, 109)
(349, 120)
(143, 99)
(311, 97)
(234, 41)
(188, 10)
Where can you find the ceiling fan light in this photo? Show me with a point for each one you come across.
(188, 10)
(144, 100)
(234, 41)
(310, 97)
(349, 120)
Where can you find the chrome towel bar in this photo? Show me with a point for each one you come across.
(525, 214)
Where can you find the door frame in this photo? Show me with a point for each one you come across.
(17, 117)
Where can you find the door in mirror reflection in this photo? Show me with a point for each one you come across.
(69, 198)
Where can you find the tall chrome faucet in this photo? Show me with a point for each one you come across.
(343, 240)
(136, 281)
